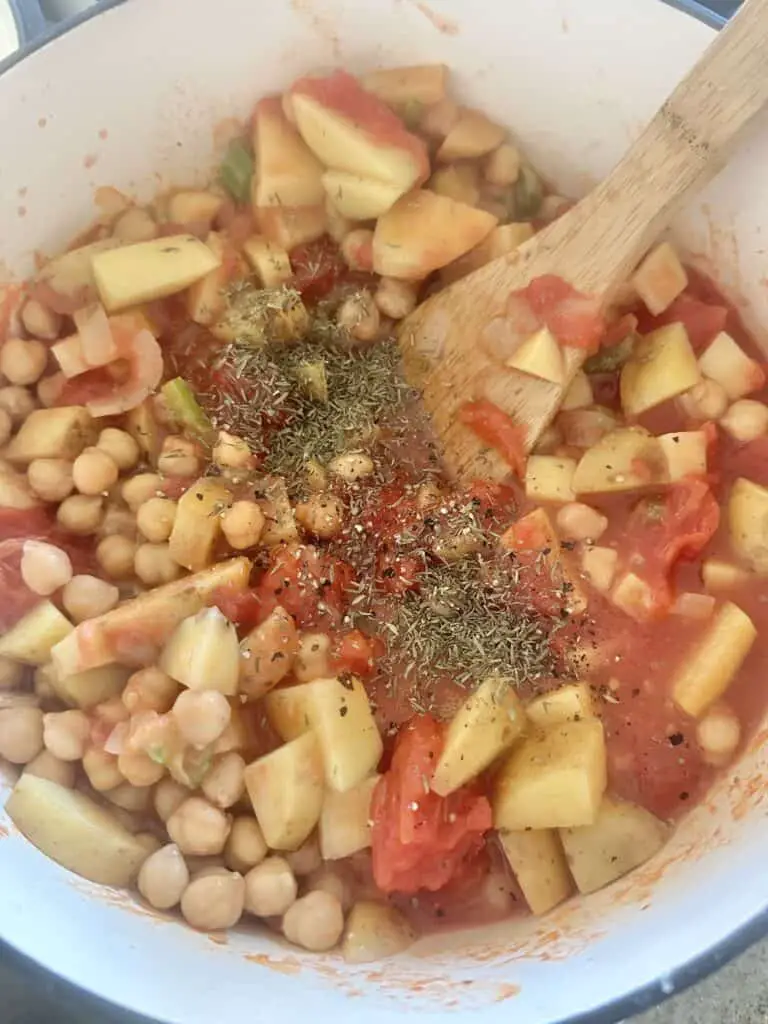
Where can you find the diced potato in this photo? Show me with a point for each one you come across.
(583, 428)
(15, 491)
(280, 525)
(473, 135)
(290, 227)
(87, 689)
(70, 275)
(141, 423)
(504, 238)
(685, 452)
(420, 83)
(205, 297)
(634, 597)
(197, 525)
(75, 832)
(271, 263)
(537, 860)
(748, 523)
(286, 791)
(487, 723)
(263, 316)
(286, 709)
(627, 459)
(360, 198)
(727, 363)
(692, 605)
(151, 270)
(194, 207)
(203, 653)
(579, 394)
(35, 634)
(345, 821)
(622, 837)
(59, 433)
(375, 931)
(662, 365)
(153, 616)
(599, 566)
(720, 575)
(540, 356)
(569, 703)
(536, 532)
(457, 181)
(549, 478)
(553, 779)
(708, 669)
(660, 278)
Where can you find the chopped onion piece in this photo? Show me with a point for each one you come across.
(98, 345)
(146, 361)
(115, 742)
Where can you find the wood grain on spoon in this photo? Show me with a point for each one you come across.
(452, 344)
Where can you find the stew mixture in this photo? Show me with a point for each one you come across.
(259, 655)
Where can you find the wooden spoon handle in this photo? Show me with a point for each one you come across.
(685, 144)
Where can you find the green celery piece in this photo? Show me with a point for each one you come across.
(528, 193)
(236, 171)
(185, 408)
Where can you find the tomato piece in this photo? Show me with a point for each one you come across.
(702, 320)
(87, 387)
(749, 460)
(572, 317)
(174, 486)
(317, 268)
(618, 330)
(243, 607)
(356, 652)
(421, 840)
(313, 587)
(497, 429)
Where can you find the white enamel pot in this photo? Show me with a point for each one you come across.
(129, 98)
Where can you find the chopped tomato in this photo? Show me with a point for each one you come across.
(317, 268)
(702, 320)
(618, 330)
(421, 840)
(311, 586)
(175, 486)
(397, 574)
(573, 318)
(356, 653)
(498, 430)
(243, 607)
(750, 460)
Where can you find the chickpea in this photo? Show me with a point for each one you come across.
(168, 797)
(270, 888)
(502, 166)
(201, 716)
(134, 799)
(120, 447)
(155, 519)
(214, 902)
(395, 299)
(140, 488)
(138, 768)
(110, 712)
(312, 660)
(44, 567)
(243, 524)
(118, 520)
(21, 734)
(11, 674)
(85, 597)
(179, 457)
(314, 922)
(150, 689)
(352, 466)
(163, 877)
(746, 420)
(6, 426)
(359, 315)
(94, 472)
(81, 513)
(101, 769)
(356, 249)
(23, 362)
(224, 784)
(198, 828)
(51, 479)
(246, 846)
(706, 400)
(718, 734)
(153, 565)
(40, 321)
(49, 389)
(232, 452)
(307, 858)
(135, 225)
(46, 766)
(581, 522)
(321, 515)
(66, 734)
(116, 556)
(17, 402)
(328, 879)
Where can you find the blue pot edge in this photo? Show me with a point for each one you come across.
(643, 998)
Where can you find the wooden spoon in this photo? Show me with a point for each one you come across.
(447, 346)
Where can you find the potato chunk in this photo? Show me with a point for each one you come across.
(75, 832)
(549, 478)
(59, 433)
(345, 821)
(627, 459)
(197, 525)
(622, 837)
(660, 278)
(726, 362)
(286, 790)
(375, 931)
(554, 779)
(286, 709)
(662, 365)
(537, 860)
(535, 533)
(34, 636)
(707, 671)
(486, 724)
(685, 452)
(87, 689)
(569, 703)
(540, 356)
(748, 523)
